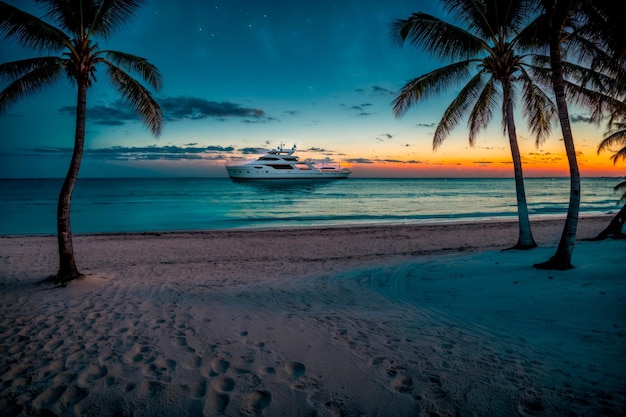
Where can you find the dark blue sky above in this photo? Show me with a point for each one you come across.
(240, 76)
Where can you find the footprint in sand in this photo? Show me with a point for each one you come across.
(151, 388)
(223, 383)
(216, 403)
(93, 373)
(219, 365)
(267, 370)
(402, 383)
(256, 401)
(191, 362)
(295, 369)
(73, 396)
(200, 389)
(180, 338)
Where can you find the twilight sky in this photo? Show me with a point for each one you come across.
(240, 76)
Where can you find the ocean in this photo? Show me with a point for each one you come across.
(189, 204)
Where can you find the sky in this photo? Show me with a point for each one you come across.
(242, 76)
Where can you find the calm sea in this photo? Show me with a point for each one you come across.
(157, 204)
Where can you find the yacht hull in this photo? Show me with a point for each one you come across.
(243, 172)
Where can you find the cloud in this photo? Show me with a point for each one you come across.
(360, 161)
(579, 118)
(383, 90)
(115, 114)
(250, 151)
(397, 161)
(388, 161)
(193, 108)
(426, 124)
(119, 113)
(384, 136)
(360, 109)
(122, 153)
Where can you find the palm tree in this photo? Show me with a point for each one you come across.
(590, 22)
(78, 22)
(490, 45)
(615, 137)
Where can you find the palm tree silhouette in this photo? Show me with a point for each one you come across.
(491, 47)
(79, 23)
(615, 138)
(593, 31)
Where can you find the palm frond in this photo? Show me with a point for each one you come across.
(72, 16)
(596, 102)
(538, 108)
(112, 13)
(592, 78)
(15, 69)
(540, 70)
(138, 97)
(98, 17)
(141, 66)
(429, 85)
(439, 38)
(613, 139)
(604, 24)
(483, 109)
(534, 36)
(620, 154)
(488, 17)
(472, 13)
(621, 187)
(29, 30)
(29, 76)
(457, 109)
(594, 90)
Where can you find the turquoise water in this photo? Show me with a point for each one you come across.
(157, 204)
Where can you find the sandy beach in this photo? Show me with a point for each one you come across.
(401, 320)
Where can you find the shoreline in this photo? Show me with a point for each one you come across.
(246, 254)
(337, 225)
(386, 321)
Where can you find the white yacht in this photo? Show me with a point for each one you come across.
(281, 164)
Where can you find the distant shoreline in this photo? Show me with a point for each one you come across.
(225, 177)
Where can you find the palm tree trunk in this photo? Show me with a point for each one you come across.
(562, 259)
(67, 263)
(525, 239)
(615, 227)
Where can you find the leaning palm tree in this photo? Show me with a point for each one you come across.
(488, 54)
(612, 142)
(78, 24)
